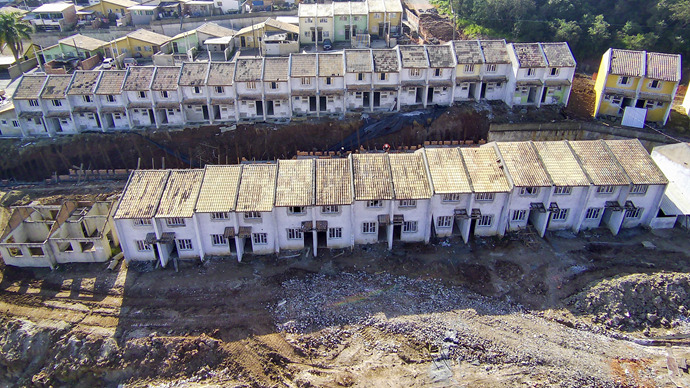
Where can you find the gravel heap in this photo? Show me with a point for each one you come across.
(636, 301)
(319, 301)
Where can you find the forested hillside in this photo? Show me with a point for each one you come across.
(590, 26)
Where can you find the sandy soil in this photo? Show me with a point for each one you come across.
(496, 312)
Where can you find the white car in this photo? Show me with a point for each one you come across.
(108, 63)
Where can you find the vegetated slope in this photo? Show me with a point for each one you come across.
(590, 26)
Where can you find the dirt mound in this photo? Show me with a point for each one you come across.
(433, 26)
(636, 301)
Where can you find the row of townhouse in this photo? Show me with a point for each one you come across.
(342, 21)
(279, 88)
(637, 79)
(230, 210)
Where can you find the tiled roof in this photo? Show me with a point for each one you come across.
(523, 164)
(484, 171)
(372, 175)
(295, 185)
(83, 82)
(627, 62)
(440, 56)
(218, 192)
(636, 162)
(341, 8)
(165, 78)
(282, 25)
(410, 180)
(558, 54)
(111, 82)
(149, 37)
(331, 65)
(257, 188)
(385, 60)
(393, 5)
(447, 169)
(138, 78)
(142, 194)
(221, 73)
(193, 73)
(333, 182)
(213, 29)
(665, 67)
(249, 69)
(468, 52)
(561, 164)
(180, 194)
(495, 51)
(276, 69)
(315, 10)
(358, 61)
(599, 164)
(529, 55)
(413, 56)
(376, 6)
(83, 42)
(29, 87)
(55, 86)
(303, 65)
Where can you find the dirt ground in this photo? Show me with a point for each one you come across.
(496, 312)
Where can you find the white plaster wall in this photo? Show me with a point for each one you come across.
(247, 109)
(282, 88)
(100, 253)
(86, 121)
(439, 208)
(388, 100)
(408, 95)
(334, 104)
(361, 214)
(285, 221)
(31, 127)
(495, 92)
(343, 220)
(283, 110)
(266, 225)
(300, 105)
(208, 226)
(188, 92)
(574, 202)
(443, 95)
(598, 200)
(27, 260)
(194, 113)
(419, 213)
(337, 83)
(495, 208)
(118, 100)
(129, 234)
(522, 202)
(649, 202)
(352, 102)
(462, 91)
(185, 232)
(23, 106)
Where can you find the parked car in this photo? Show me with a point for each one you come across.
(108, 63)
(327, 45)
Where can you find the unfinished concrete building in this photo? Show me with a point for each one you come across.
(47, 235)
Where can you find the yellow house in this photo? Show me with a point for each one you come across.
(638, 79)
(384, 16)
(250, 36)
(141, 42)
(106, 7)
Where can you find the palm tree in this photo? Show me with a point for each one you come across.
(13, 30)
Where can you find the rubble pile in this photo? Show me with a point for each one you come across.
(636, 301)
(319, 301)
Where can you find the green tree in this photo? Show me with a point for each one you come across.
(567, 31)
(12, 31)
